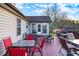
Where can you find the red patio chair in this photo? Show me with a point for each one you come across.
(38, 39)
(38, 47)
(17, 51)
(30, 37)
(7, 42)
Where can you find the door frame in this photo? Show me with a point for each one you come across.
(41, 32)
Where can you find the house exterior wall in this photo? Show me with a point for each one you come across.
(36, 26)
(8, 25)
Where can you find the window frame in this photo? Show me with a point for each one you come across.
(18, 26)
(33, 28)
(44, 27)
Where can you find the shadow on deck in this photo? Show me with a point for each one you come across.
(51, 49)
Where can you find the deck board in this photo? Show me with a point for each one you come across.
(51, 49)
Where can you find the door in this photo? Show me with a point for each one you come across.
(44, 29)
(39, 29)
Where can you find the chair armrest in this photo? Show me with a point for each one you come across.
(75, 50)
(37, 45)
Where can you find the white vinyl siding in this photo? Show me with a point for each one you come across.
(23, 27)
(8, 25)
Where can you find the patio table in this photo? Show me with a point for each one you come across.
(48, 38)
(25, 43)
(74, 42)
(64, 35)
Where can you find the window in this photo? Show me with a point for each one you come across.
(39, 28)
(26, 26)
(18, 26)
(33, 28)
(44, 28)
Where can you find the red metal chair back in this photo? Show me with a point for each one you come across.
(16, 51)
(42, 43)
(7, 42)
(30, 37)
(39, 46)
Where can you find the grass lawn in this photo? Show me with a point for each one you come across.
(53, 34)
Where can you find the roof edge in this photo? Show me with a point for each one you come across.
(37, 20)
(15, 9)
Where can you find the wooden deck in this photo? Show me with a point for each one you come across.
(51, 49)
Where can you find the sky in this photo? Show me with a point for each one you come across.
(37, 9)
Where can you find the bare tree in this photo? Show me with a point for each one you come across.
(56, 15)
(52, 12)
